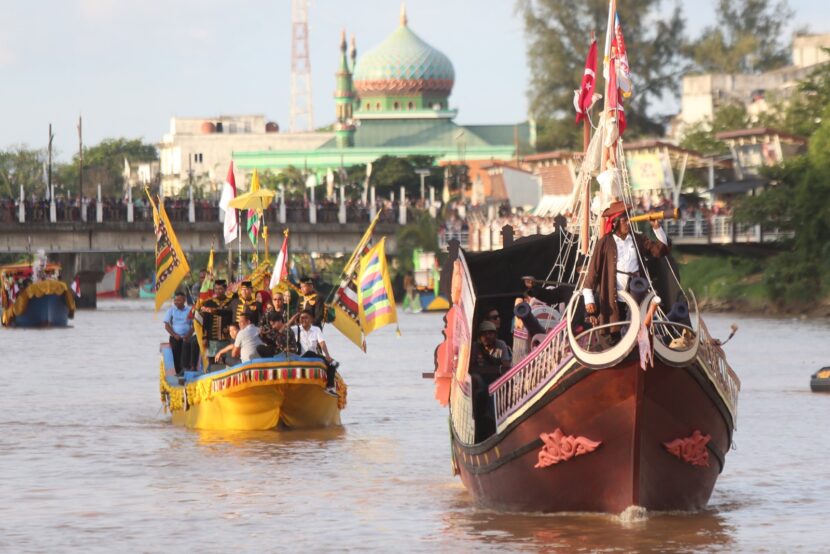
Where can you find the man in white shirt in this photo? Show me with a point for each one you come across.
(311, 344)
(247, 339)
(615, 261)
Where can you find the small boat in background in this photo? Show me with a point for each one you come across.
(146, 291)
(820, 380)
(423, 291)
(33, 296)
(112, 284)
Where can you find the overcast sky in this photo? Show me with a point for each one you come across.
(128, 66)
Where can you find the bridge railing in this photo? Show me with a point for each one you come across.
(721, 230)
(110, 210)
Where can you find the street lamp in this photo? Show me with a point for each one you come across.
(423, 173)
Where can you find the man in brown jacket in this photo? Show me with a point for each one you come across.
(615, 262)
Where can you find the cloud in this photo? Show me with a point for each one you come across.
(99, 11)
(7, 56)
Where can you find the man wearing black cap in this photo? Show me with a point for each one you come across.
(489, 359)
(216, 312)
(310, 301)
(245, 302)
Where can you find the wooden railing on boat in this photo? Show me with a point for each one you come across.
(526, 379)
(713, 361)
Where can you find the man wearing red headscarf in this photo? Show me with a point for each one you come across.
(616, 261)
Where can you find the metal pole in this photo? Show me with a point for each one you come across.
(52, 208)
(80, 158)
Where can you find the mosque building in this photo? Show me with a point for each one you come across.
(395, 101)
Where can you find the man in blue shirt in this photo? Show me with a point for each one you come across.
(180, 328)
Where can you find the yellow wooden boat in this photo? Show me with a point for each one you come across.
(286, 391)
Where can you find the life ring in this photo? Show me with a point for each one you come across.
(679, 358)
(618, 352)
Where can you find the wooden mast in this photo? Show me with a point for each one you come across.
(606, 63)
(586, 214)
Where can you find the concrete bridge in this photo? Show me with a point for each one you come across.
(80, 247)
(717, 232)
(122, 236)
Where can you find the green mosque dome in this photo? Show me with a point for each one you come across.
(403, 64)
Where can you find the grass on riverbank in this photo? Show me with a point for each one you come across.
(725, 282)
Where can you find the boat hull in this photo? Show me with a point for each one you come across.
(42, 304)
(47, 311)
(294, 406)
(633, 415)
(265, 393)
(820, 381)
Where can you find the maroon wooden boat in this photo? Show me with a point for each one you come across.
(580, 422)
(578, 430)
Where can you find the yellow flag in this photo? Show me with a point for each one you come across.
(374, 290)
(171, 264)
(348, 325)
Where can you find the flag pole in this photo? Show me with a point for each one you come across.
(348, 269)
(612, 12)
(586, 141)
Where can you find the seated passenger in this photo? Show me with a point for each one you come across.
(311, 344)
(225, 355)
(489, 359)
(489, 353)
(247, 339)
(276, 337)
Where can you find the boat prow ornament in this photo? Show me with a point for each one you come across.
(616, 353)
(679, 357)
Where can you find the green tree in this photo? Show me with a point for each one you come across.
(798, 200)
(291, 178)
(104, 165)
(421, 233)
(746, 39)
(806, 109)
(389, 173)
(21, 166)
(558, 35)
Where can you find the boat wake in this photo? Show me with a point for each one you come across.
(633, 515)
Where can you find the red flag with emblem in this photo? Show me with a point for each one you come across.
(584, 97)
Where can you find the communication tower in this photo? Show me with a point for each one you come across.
(302, 114)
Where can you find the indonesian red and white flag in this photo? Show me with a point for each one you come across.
(614, 101)
(76, 286)
(623, 69)
(280, 270)
(584, 97)
(231, 228)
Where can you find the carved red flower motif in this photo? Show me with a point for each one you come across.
(559, 448)
(692, 449)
